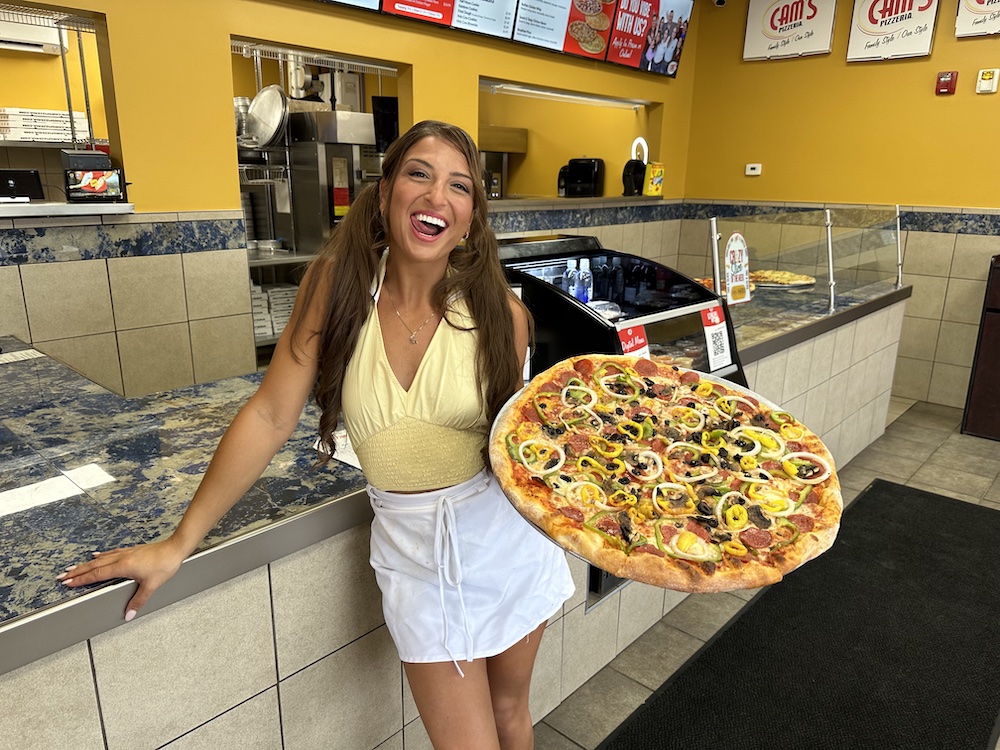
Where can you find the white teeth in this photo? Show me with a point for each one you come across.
(431, 220)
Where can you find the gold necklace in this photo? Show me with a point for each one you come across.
(413, 334)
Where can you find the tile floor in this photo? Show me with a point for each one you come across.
(920, 444)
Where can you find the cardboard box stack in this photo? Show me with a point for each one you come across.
(280, 301)
(263, 328)
(20, 124)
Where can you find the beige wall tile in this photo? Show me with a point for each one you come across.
(869, 334)
(67, 299)
(651, 238)
(822, 359)
(854, 395)
(814, 413)
(949, 385)
(222, 347)
(843, 346)
(798, 369)
(348, 700)
(147, 291)
(927, 300)
(13, 316)
(763, 239)
(217, 283)
(597, 627)
(155, 359)
(671, 242)
(836, 395)
(695, 235)
(633, 241)
(693, 266)
(671, 599)
(770, 382)
(956, 344)
(394, 743)
(254, 725)
(810, 240)
(213, 651)
(750, 371)
(972, 255)
(51, 703)
(579, 570)
(324, 597)
(613, 237)
(639, 608)
(888, 367)
(918, 338)
(928, 253)
(546, 679)
(912, 378)
(964, 301)
(95, 357)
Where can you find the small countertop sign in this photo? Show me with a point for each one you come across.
(737, 262)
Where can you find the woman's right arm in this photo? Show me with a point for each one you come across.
(257, 433)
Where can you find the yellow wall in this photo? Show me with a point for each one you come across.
(173, 83)
(830, 131)
(35, 81)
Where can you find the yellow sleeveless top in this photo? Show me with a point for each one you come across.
(431, 436)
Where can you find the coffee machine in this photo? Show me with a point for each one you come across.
(331, 157)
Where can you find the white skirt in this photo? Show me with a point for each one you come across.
(462, 574)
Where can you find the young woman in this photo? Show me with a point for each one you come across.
(405, 327)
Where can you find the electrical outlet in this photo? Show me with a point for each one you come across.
(753, 170)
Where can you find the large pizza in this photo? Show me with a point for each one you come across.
(664, 475)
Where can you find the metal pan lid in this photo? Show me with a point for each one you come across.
(267, 115)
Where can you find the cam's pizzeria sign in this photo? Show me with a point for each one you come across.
(779, 28)
(884, 29)
(977, 17)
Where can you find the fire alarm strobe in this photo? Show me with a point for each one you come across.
(946, 81)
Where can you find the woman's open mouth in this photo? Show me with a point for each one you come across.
(428, 226)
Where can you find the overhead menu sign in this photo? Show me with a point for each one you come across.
(491, 17)
(977, 17)
(649, 34)
(778, 28)
(579, 27)
(885, 29)
(366, 4)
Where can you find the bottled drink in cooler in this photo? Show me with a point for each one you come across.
(601, 280)
(616, 281)
(584, 281)
(632, 279)
(569, 278)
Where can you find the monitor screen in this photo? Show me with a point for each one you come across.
(21, 183)
(95, 185)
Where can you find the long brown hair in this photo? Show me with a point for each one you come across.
(349, 261)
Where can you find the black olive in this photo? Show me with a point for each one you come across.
(619, 411)
(654, 419)
(610, 467)
(723, 536)
(723, 452)
(690, 404)
(695, 438)
(623, 480)
(705, 508)
(740, 500)
(648, 382)
(551, 463)
(642, 467)
(704, 458)
(566, 477)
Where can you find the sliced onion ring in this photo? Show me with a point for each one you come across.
(556, 449)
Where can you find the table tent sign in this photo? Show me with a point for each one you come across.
(977, 17)
(781, 28)
(887, 29)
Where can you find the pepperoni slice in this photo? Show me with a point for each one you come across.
(794, 446)
(802, 523)
(550, 386)
(574, 514)
(646, 367)
(699, 530)
(530, 413)
(668, 531)
(756, 538)
(578, 444)
(584, 366)
(658, 444)
(650, 549)
(690, 377)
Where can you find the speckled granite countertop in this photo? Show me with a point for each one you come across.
(155, 448)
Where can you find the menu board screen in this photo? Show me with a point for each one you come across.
(492, 17)
(434, 11)
(367, 4)
(649, 34)
(579, 27)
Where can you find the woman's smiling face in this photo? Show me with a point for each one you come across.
(430, 208)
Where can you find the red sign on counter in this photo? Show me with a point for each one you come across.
(433, 11)
(634, 341)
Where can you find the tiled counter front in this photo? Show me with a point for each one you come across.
(289, 653)
(140, 303)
